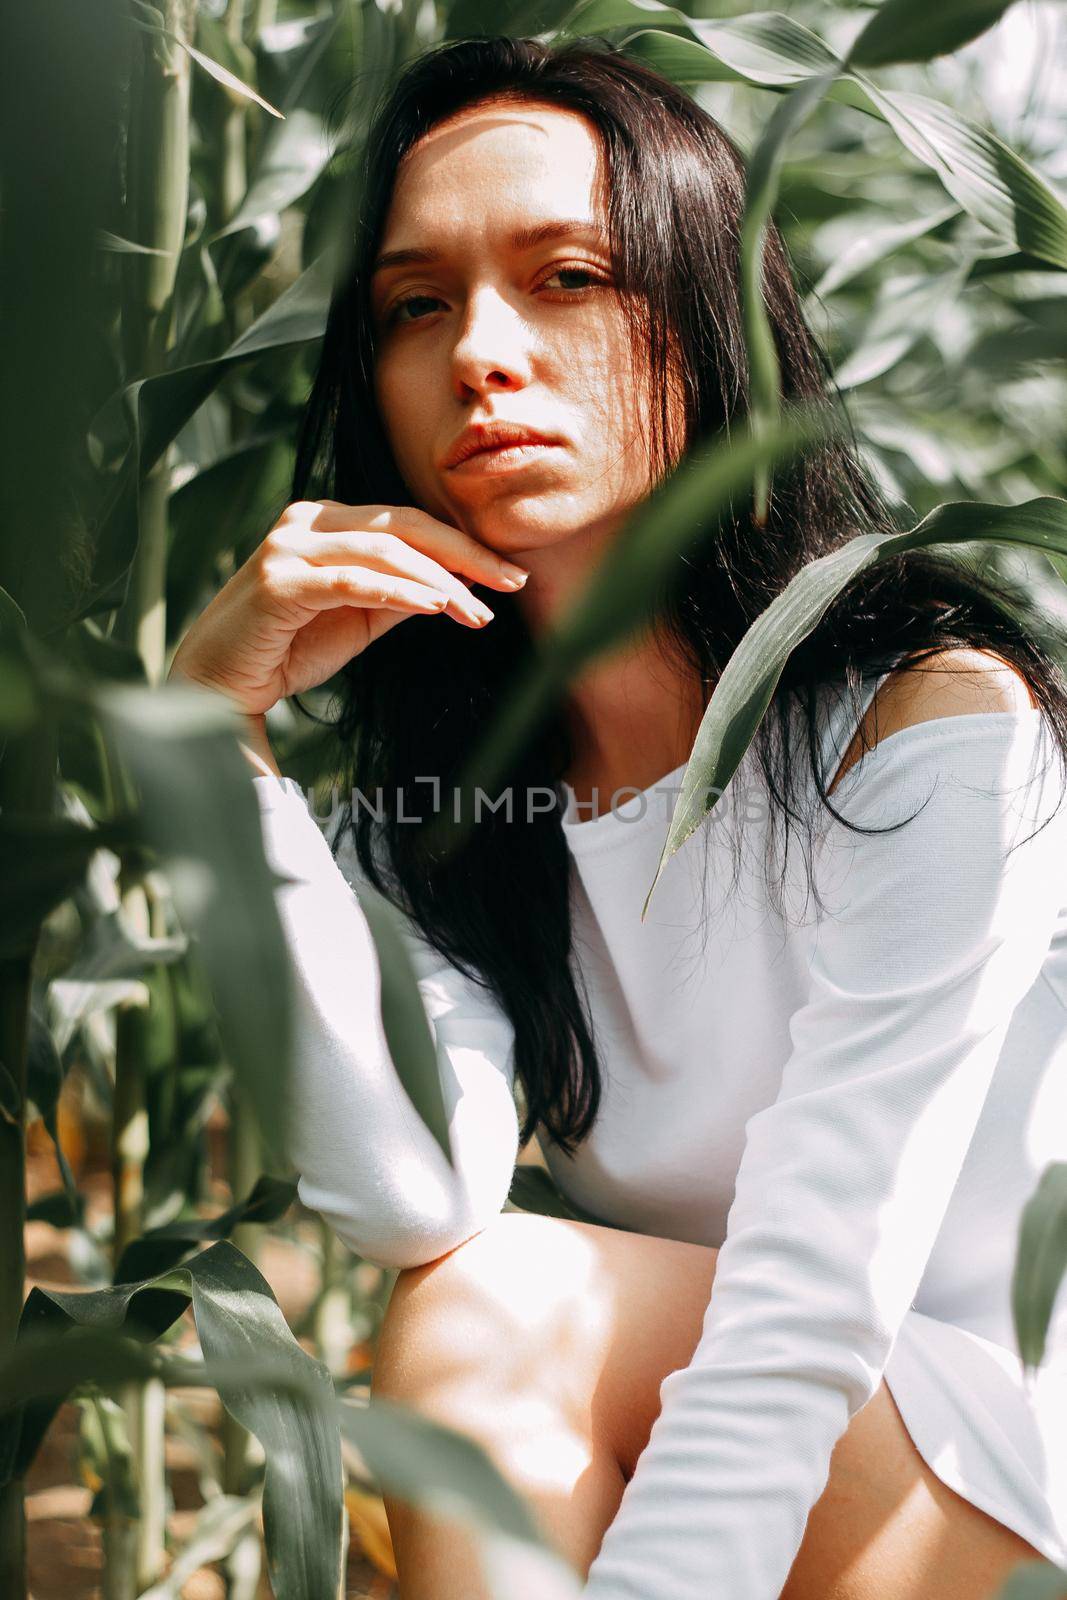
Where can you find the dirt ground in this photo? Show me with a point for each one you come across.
(65, 1543)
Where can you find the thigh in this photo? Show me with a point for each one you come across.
(598, 1317)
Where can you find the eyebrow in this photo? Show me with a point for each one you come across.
(521, 239)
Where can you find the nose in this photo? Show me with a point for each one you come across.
(491, 351)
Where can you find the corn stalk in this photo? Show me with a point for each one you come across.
(157, 198)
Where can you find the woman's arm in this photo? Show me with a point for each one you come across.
(931, 937)
(366, 1160)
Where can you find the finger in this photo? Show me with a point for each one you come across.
(325, 588)
(453, 548)
(385, 552)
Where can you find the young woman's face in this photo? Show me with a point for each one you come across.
(497, 328)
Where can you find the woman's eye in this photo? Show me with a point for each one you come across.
(576, 272)
(401, 305)
(592, 280)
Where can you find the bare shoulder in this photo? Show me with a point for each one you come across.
(952, 683)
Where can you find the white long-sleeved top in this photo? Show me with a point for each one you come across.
(854, 1104)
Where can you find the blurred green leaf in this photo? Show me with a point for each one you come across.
(767, 48)
(85, 646)
(913, 30)
(199, 811)
(514, 18)
(907, 311)
(1035, 1580)
(113, 241)
(57, 1210)
(761, 190)
(1040, 1262)
(602, 16)
(218, 1526)
(428, 1465)
(407, 1032)
(743, 692)
(42, 860)
(875, 242)
(45, 1073)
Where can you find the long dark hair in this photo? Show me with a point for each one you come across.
(415, 702)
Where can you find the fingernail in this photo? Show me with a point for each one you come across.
(515, 575)
(481, 611)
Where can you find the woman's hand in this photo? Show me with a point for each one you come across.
(326, 582)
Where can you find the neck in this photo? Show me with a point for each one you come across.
(634, 711)
(633, 716)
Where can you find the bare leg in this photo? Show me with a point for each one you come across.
(535, 1339)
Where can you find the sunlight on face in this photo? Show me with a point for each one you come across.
(499, 329)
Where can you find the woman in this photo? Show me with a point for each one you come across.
(812, 1136)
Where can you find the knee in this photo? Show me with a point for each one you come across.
(501, 1294)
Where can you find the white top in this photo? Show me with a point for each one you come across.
(854, 1104)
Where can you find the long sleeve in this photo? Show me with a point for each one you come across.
(930, 937)
(366, 1160)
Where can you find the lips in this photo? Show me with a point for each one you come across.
(492, 436)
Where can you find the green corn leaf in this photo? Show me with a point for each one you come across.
(767, 48)
(42, 862)
(987, 179)
(761, 192)
(913, 30)
(433, 1466)
(293, 156)
(1040, 1262)
(240, 1328)
(199, 812)
(125, 247)
(150, 20)
(159, 407)
(407, 1031)
(226, 506)
(601, 16)
(900, 317)
(875, 243)
(228, 79)
(748, 680)
(161, 1248)
(215, 1532)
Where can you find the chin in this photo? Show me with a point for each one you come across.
(530, 525)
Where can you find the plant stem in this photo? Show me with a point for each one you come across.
(157, 189)
(246, 1164)
(136, 1559)
(333, 1313)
